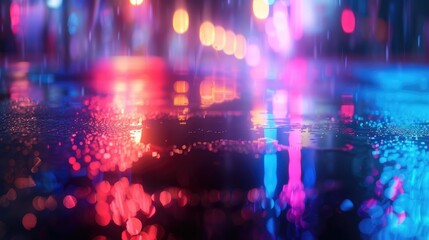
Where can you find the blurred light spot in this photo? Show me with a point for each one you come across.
(15, 17)
(348, 21)
(180, 100)
(69, 201)
(73, 23)
(302, 17)
(270, 29)
(134, 226)
(76, 166)
(207, 33)
(37, 163)
(154, 231)
(136, 135)
(253, 55)
(217, 90)
(125, 235)
(22, 182)
(29, 221)
(254, 195)
(165, 198)
(346, 205)
(220, 39)
(270, 173)
(280, 104)
(54, 3)
(39, 203)
(281, 15)
(87, 158)
(241, 46)
(347, 107)
(280, 39)
(270, 226)
(181, 86)
(72, 160)
(11, 194)
(102, 219)
(258, 117)
(180, 21)
(261, 9)
(206, 92)
(297, 16)
(230, 43)
(366, 226)
(51, 203)
(136, 2)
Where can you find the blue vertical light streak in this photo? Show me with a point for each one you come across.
(270, 174)
(270, 159)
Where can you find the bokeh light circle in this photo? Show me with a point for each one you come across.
(136, 2)
(54, 3)
(230, 43)
(207, 33)
(219, 42)
(180, 21)
(348, 21)
(29, 221)
(261, 9)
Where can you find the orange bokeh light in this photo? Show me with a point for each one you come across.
(230, 43)
(261, 9)
(241, 46)
(136, 2)
(180, 21)
(181, 100)
(181, 86)
(217, 90)
(207, 33)
(220, 38)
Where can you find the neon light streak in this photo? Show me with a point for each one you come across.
(270, 173)
(270, 159)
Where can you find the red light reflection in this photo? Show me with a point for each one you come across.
(121, 202)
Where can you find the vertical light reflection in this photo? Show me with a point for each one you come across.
(347, 108)
(296, 19)
(295, 152)
(293, 192)
(302, 17)
(217, 89)
(280, 104)
(270, 159)
(181, 100)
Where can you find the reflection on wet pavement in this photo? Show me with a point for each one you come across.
(137, 152)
